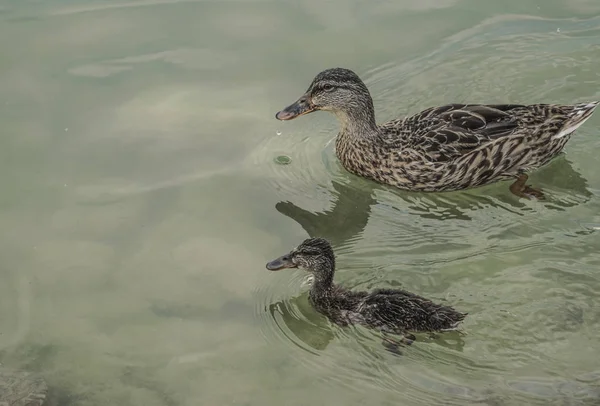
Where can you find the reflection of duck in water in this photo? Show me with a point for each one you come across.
(352, 203)
(451, 147)
(392, 311)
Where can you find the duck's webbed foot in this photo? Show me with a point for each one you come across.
(393, 344)
(519, 188)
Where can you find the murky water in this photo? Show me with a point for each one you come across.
(141, 199)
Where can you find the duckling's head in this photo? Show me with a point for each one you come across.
(314, 255)
(337, 90)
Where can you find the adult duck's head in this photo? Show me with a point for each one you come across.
(339, 91)
(314, 255)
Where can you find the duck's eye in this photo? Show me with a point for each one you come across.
(327, 88)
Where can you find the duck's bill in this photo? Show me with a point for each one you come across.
(301, 107)
(280, 263)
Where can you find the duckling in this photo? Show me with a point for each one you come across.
(390, 311)
(445, 148)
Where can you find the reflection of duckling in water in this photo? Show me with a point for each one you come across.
(391, 311)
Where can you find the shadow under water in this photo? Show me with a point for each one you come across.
(308, 326)
(563, 185)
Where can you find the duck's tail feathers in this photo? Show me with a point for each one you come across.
(579, 115)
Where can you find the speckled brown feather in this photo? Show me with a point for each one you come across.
(452, 147)
(459, 146)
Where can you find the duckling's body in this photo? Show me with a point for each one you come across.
(387, 310)
(392, 311)
(451, 147)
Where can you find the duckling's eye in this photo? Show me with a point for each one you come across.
(327, 88)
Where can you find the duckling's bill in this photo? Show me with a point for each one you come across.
(298, 108)
(284, 261)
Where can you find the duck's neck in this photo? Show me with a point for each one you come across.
(358, 120)
(323, 280)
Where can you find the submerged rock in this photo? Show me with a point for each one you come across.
(20, 388)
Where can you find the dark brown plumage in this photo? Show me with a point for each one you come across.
(392, 311)
(451, 147)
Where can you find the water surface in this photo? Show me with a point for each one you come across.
(141, 200)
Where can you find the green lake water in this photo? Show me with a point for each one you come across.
(141, 199)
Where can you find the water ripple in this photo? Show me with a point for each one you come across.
(483, 251)
(288, 322)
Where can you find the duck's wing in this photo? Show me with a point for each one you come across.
(399, 310)
(446, 132)
(395, 310)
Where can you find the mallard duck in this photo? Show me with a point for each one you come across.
(451, 147)
(391, 311)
